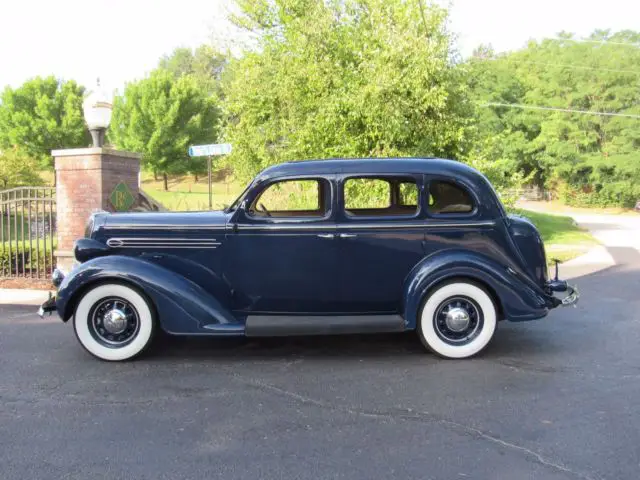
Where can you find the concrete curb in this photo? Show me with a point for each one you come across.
(595, 260)
(15, 296)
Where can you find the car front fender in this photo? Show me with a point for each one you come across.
(182, 306)
(517, 296)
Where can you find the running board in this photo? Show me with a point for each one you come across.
(286, 325)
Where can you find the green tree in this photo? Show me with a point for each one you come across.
(345, 78)
(588, 158)
(42, 115)
(204, 63)
(16, 169)
(161, 116)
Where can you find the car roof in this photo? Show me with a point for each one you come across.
(368, 166)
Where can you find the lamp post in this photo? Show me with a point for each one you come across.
(97, 109)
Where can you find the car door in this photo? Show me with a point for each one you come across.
(281, 248)
(380, 239)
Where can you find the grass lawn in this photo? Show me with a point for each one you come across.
(185, 194)
(563, 239)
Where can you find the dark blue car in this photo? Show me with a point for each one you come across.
(315, 247)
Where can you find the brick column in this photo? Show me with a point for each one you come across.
(85, 179)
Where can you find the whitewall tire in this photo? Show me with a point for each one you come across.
(114, 322)
(457, 320)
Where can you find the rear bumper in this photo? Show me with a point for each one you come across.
(561, 286)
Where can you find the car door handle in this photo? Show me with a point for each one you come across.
(326, 235)
(347, 235)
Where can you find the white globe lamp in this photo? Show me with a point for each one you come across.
(97, 109)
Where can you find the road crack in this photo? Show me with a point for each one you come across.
(409, 414)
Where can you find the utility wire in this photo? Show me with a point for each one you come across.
(566, 65)
(554, 109)
(599, 42)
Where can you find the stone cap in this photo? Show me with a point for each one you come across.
(74, 152)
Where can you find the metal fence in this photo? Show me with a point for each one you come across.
(27, 232)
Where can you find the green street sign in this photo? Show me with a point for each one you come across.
(121, 198)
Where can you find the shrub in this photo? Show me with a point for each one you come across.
(15, 263)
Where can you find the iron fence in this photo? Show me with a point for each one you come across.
(27, 232)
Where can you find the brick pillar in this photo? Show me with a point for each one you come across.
(85, 180)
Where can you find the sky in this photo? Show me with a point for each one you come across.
(122, 40)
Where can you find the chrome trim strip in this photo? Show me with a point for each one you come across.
(169, 246)
(423, 224)
(367, 226)
(323, 226)
(168, 242)
(142, 226)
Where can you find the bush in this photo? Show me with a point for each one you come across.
(622, 194)
(14, 263)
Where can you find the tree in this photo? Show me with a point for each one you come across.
(204, 64)
(42, 115)
(161, 116)
(16, 169)
(589, 158)
(349, 78)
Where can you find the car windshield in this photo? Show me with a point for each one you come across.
(234, 206)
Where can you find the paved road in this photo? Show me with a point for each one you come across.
(552, 399)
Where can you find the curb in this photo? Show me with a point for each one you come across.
(16, 296)
(595, 260)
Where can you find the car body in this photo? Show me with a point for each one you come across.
(345, 246)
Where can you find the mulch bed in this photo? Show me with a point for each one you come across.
(27, 283)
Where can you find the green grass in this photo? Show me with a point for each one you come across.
(185, 201)
(563, 239)
(185, 194)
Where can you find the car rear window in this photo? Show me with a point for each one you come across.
(447, 197)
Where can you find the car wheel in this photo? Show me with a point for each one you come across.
(457, 320)
(114, 322)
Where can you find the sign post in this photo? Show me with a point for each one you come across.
(209, 151)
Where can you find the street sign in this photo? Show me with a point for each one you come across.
(210, 150)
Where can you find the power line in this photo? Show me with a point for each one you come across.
(599, 42)
(567, 65)
(554, 109)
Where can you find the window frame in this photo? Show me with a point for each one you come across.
(458, 183)
(417, 178)
(324, 182)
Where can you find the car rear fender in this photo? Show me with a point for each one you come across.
(183, 306)
(517, 297)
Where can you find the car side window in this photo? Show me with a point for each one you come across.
(390, 196)
(447, 197)
(408, 194)
(291, 198)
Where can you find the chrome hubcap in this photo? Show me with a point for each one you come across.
(457, 319)
(115, 321)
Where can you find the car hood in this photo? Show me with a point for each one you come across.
(160, 221)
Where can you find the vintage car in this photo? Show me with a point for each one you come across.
(315, 247)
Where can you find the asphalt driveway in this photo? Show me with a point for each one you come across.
(551, 399)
